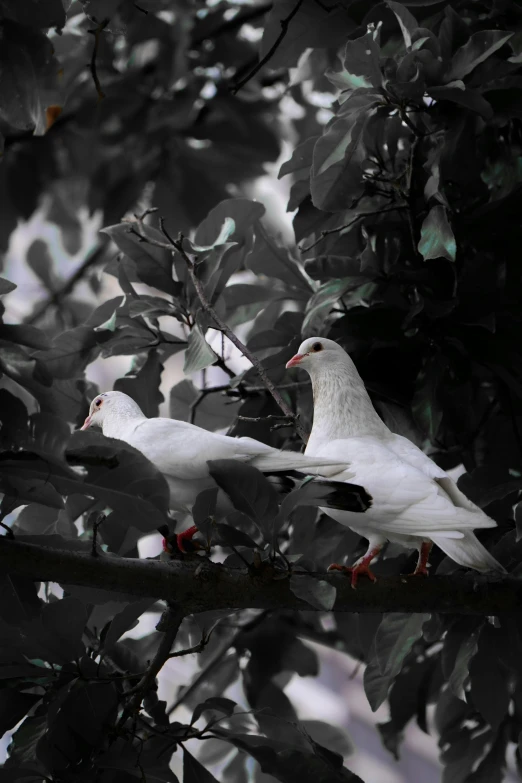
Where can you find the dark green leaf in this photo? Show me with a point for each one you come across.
(406, 20)
(216, 704)
(71, 352)
(271, 260)
(470, 99)
(395, 638)
(359, 71)
(199, 354)
(488, 483)
(13, 707)
(24, 335)
(152, 265)
(479, 47)
(301, 161)
(6, 286)
(489, 686)
(437, 240)
(214, 412)
(288, 764)
(232, 536)
(312, 25)
(143, 385)
(336, 175)
(194, 772)
(124, 621)
(26, 63)
(247, 488)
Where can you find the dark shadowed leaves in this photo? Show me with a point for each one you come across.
(479, 47)
(489, 681)
(247, 488)
(214, 411)
(153, 265)
(194, 771)
(143, 385)
(288, 764)
(488, 483)
(395, 638)
(336, 175)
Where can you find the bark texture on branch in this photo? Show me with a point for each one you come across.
(201, 585)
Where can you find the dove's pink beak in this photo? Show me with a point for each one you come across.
(295, 360)
(86, 423)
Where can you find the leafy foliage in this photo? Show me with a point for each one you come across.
(406, 194)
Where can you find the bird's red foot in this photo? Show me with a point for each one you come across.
(361, 569)
(422, 564)
(183, 541)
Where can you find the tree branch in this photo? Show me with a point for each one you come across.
(201, 586)
(284, 29)
(92, 65)
(326, 232)
(169, 624)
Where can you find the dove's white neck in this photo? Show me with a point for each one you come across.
(122, 418)
(342, 406)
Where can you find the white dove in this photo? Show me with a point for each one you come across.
(181, 451)
(415, 503)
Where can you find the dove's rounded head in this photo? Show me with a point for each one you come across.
(317, 352)
(106, 403)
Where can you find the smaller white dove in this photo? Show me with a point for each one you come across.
(415, 503)
(181, 451)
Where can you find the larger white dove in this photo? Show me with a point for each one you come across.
(415, 503)
(181, 450)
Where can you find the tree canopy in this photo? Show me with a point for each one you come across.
(400, 130)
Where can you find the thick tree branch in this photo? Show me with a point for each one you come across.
(200, 586)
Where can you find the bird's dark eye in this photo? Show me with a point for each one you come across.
(98, 403)
(317, 347)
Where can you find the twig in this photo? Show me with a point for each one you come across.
(169, 624)
(95, 525)
(328, 231)
(97, 33)
(177, 245)
(409, 179)
(239, 345)
(229, 25)
(218, 657)
(280, 425)
(284, 29)
(197, 648)
(9, 533)
(93, 257)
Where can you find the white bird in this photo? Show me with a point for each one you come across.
(415, 503)
(181, 450)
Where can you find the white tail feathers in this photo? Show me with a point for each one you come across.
(292, 460)
(469, 552)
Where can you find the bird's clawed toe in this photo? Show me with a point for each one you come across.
(357, 570)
